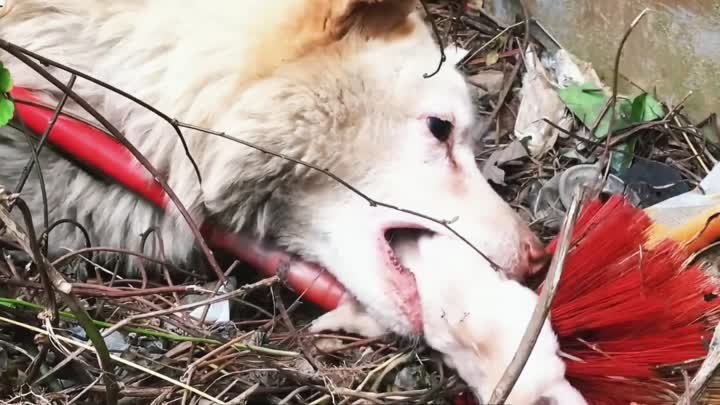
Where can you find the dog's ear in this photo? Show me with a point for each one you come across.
(373, 18)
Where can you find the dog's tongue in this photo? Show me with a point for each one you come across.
(404, 289)
(405, 254)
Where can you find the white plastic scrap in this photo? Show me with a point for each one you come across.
(677, 210)
(218, 312)
(539, 100)
(569, 70)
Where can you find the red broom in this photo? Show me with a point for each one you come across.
(624, 310)
(625, 307)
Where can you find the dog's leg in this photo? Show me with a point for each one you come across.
(349, 317)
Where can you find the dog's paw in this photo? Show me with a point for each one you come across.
(348, 317)
(562, 393)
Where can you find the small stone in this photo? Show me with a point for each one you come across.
(411, 378)
(328, 344)
(116, 342)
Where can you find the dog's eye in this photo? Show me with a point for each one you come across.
(440, 128)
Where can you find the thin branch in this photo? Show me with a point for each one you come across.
(45, 239)
(11, 229)
(35, 156)
(542, 308)
(326, 172)
(29, 166)
(439, 39)
(467, 58)
(62, 260)
(93, 290)
(605, 158)
(703, 376)
(74, 72)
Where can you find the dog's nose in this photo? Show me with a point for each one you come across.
(533, 257)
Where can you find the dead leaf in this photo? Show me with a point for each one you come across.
(514, 151)
(491, 170)
(488, 82)
(474, 4)
(328, 344)
(493, 173)
(491, 58)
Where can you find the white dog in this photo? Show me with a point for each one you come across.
(337, 83)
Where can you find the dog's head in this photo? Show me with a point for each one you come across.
(356, 101)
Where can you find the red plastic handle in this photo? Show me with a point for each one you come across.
(312, 282)
(103, 153)
(89, 146)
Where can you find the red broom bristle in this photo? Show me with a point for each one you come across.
(623, 311)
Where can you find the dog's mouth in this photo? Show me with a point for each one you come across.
(400, 278)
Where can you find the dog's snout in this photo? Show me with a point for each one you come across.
(533, 256)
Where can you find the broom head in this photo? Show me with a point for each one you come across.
(625, 313)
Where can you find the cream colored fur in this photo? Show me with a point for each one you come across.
(457, 288)
(336, 83)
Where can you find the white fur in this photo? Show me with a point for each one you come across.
(477, 318)
(277, 74)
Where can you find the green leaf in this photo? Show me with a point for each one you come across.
(5, 80)
(16, 304)
(7, 110)
(622, 156)
(646, 108)
(587, 102)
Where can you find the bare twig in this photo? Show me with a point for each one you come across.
(45, 236)
(373, 202)
(7, 201)
(542, 308)
(92, 290)
(698, 156)
(606, 157)
(439, 39)
(62, 260)
(35, 156)
(703, 376)
(29, 166)
(74, 72)
(467, 58)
